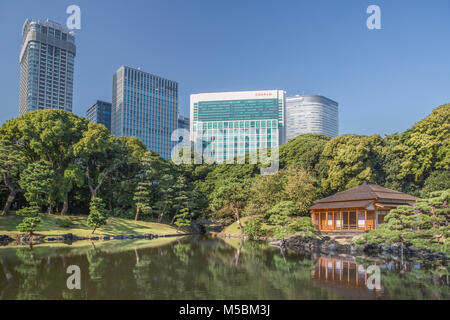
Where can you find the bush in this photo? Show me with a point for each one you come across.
(253, 228)
(304, 226)
(29, 225)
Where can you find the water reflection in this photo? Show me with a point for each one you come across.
(207, 268)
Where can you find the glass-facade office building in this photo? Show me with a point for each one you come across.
(100, 112)
(230, 124)
(46, 66)
(311, 114)
(145, 106)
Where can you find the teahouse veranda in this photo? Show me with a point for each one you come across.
(357, 209)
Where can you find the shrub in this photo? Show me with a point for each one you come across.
(29, 225)
(304, 226)
(253, 228)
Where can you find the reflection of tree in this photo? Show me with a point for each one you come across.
(30, 286)
(417, 284)
(8, 278)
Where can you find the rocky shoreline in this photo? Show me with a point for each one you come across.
(326, 245)
(69, 238)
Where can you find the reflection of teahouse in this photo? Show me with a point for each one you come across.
(357, 209)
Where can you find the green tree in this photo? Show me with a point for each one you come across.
(47, 135)
(29, 225)
(303, 152)
(38, 182)
(352, 159)
(98, 214)
(427, 146)
(233, 193)
(182, 218)
(99, 154)
(12, 162)
(142, 198)
(280, 216)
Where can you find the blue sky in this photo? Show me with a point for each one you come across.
(384, 80)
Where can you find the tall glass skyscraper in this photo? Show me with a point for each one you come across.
(311, 114)
(145, 106)
(100, 112)
(229, 124)
(46, 66)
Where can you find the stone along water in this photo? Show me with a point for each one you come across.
(207, 268)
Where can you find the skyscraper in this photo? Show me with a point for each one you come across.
(100, 112)
(311, 114)
(183, 122)
(46, 66)
(145, 106)
(230, 124)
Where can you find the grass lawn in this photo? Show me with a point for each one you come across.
(115, 226)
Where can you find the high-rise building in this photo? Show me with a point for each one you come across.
(145, 106)
(46, 66)
(230, 124)
(100, 112)
(311, 114)
(183, 122)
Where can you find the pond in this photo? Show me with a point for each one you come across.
(209, 268)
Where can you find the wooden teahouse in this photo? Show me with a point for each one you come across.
(357, 209)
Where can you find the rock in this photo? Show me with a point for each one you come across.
(199, 228)
(4, 239)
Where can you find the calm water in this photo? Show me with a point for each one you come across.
(206, 268)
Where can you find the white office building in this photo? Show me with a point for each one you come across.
(311, 114)
(230, 124)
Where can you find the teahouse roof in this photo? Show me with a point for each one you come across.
(364, 195)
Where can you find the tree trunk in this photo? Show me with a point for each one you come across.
(238, 219)
(65, 207)
(137, 215)
(94, 230)
(11, 197)
(12, 194)
(173, 220)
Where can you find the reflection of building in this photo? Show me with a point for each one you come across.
(100, 112)
(311, 114)
(346, 277)
(230, 124)
(340, 271)
(145, 106)
(359, 208)
(46, 66)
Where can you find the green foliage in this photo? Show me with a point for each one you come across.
(279, 215)
(304, 152)
(304, 226)
(31, 210)
(29, 224)
(182, 219)
(351, 160)
(38, 181)
(425, 226)
(98, 214)
(427, 145)
(438, 180)
(253, 228)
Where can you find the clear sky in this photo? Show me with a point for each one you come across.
(384, 80)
